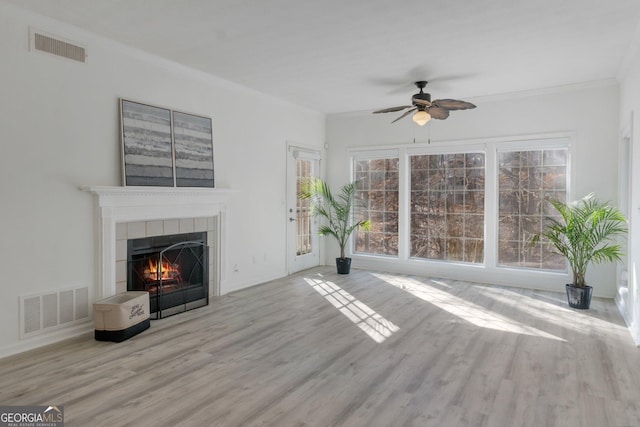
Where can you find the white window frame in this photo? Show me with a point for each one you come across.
(487, 272)
(528, 145)
(375, 155)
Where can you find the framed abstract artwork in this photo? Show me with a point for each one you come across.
(165, 148)
(147, 149)
(193, 146)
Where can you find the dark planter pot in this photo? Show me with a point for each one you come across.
(343, 265)
(579, 297)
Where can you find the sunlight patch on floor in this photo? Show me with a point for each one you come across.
(373, 324)
(569, 318)
(466, 310)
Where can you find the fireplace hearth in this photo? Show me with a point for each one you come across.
(172, 268)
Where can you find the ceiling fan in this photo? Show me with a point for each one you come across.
(425, 108)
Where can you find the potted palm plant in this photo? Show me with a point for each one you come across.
(338, 212)
(585, 232)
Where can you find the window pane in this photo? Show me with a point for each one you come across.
(377, 194)
(303, 208)
(526, 179)
(447, 207)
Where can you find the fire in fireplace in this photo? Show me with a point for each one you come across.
(173, 269)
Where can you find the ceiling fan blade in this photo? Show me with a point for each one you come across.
(453, 104)
(438, 113)
(406, 113)
(422, 102)
(392, 109)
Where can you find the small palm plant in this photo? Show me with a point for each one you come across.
(585, 233)
(338, 211)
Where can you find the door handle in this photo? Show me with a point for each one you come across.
(292, 219)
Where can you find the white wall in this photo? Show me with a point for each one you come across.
(59, 129)
(589, 113)
(630, 118)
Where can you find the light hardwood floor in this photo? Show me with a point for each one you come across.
(368, 349)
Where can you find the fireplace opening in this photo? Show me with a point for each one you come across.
(173, 269)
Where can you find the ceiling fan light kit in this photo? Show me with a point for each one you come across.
(424, 109)
(421, 117)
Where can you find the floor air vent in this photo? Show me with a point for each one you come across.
(53, 310)
(54, 45)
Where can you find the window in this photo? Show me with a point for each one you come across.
(447, 206)
(526, 179)
(463, 205)
(304, 172)
(377, 195)
(471, 204)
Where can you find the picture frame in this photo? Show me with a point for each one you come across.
(165, 148)
(147, 145)
(193, 149)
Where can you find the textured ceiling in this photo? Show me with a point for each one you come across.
(339, 56)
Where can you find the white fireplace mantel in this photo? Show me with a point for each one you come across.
(127, 204)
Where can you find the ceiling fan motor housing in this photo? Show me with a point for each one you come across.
(421, 96)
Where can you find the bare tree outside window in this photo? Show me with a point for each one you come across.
(377, 192)
(525, 180)
(446, 204)
(447, 207)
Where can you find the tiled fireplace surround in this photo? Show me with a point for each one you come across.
(123, 213)
(139, 229)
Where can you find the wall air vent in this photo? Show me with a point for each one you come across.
(53, 310)
(43, 42)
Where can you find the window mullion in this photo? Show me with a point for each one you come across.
(404, 196)
(491, 202)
